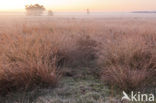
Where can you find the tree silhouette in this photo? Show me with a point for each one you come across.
(50, 13)
(35, 9)
(88, 11)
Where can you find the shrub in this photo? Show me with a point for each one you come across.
(27, 62)
(128, 62)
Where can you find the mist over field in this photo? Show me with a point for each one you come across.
(83, 14)
(77, 51)
(76, 57)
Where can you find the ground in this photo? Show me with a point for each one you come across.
(90, 65)
(79, 89)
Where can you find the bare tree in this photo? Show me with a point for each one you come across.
(35, 9)
(50, 13)
(88, 11)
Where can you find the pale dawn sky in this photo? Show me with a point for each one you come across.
(80, 5)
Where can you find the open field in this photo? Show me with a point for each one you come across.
(76, 60)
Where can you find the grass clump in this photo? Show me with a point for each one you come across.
(128, 62)
(27, 62)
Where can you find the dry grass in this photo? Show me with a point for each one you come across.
(27, 61)
(34, 51)
(128, 61)
(33, 54)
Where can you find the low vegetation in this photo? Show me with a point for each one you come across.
(27, 61)
(36, 53)
(129, 62)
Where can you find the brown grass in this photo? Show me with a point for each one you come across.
(27, 61)
(34, 51)
(128, 62)
(34, 54)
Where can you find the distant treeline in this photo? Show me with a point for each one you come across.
(144, 12)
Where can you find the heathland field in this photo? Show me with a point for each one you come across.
(76, 60)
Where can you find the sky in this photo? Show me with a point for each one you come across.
(81, 5)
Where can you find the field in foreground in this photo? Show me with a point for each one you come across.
(75, 60)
